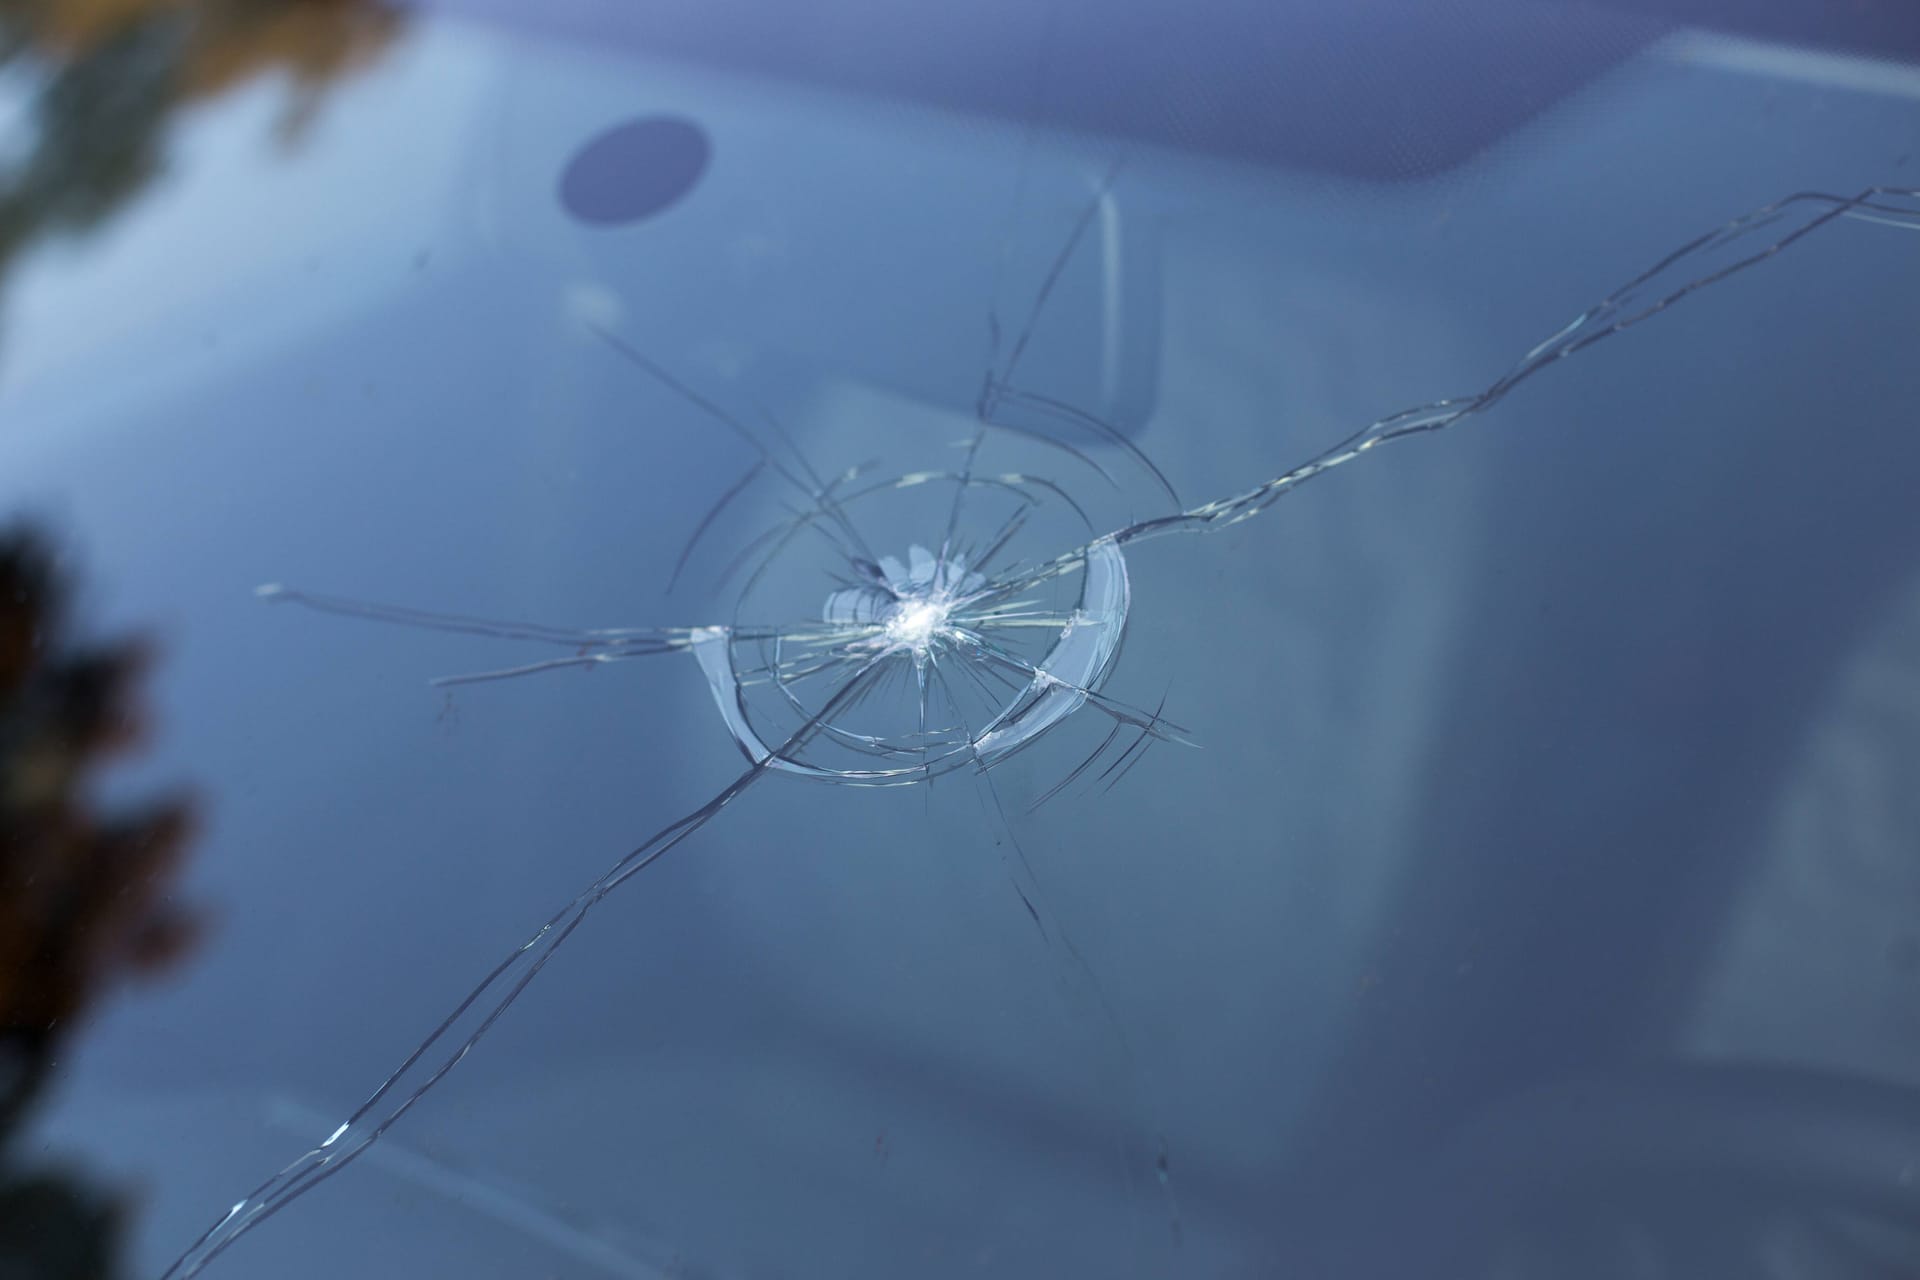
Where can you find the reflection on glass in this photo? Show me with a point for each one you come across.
(109, 78)
(85, 895)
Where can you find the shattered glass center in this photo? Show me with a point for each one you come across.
(922, 663)
(913, 622)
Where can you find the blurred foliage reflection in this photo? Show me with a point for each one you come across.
(84, 895)
(107, 76)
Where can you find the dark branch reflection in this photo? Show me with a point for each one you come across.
(85, 899)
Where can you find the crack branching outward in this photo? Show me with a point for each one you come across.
(964, 653)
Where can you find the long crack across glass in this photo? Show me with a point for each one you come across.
(994, 619)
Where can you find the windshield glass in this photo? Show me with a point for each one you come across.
(796, 650)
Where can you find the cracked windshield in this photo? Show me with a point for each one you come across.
(711, 639)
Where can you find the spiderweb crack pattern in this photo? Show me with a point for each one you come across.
(952, 653)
